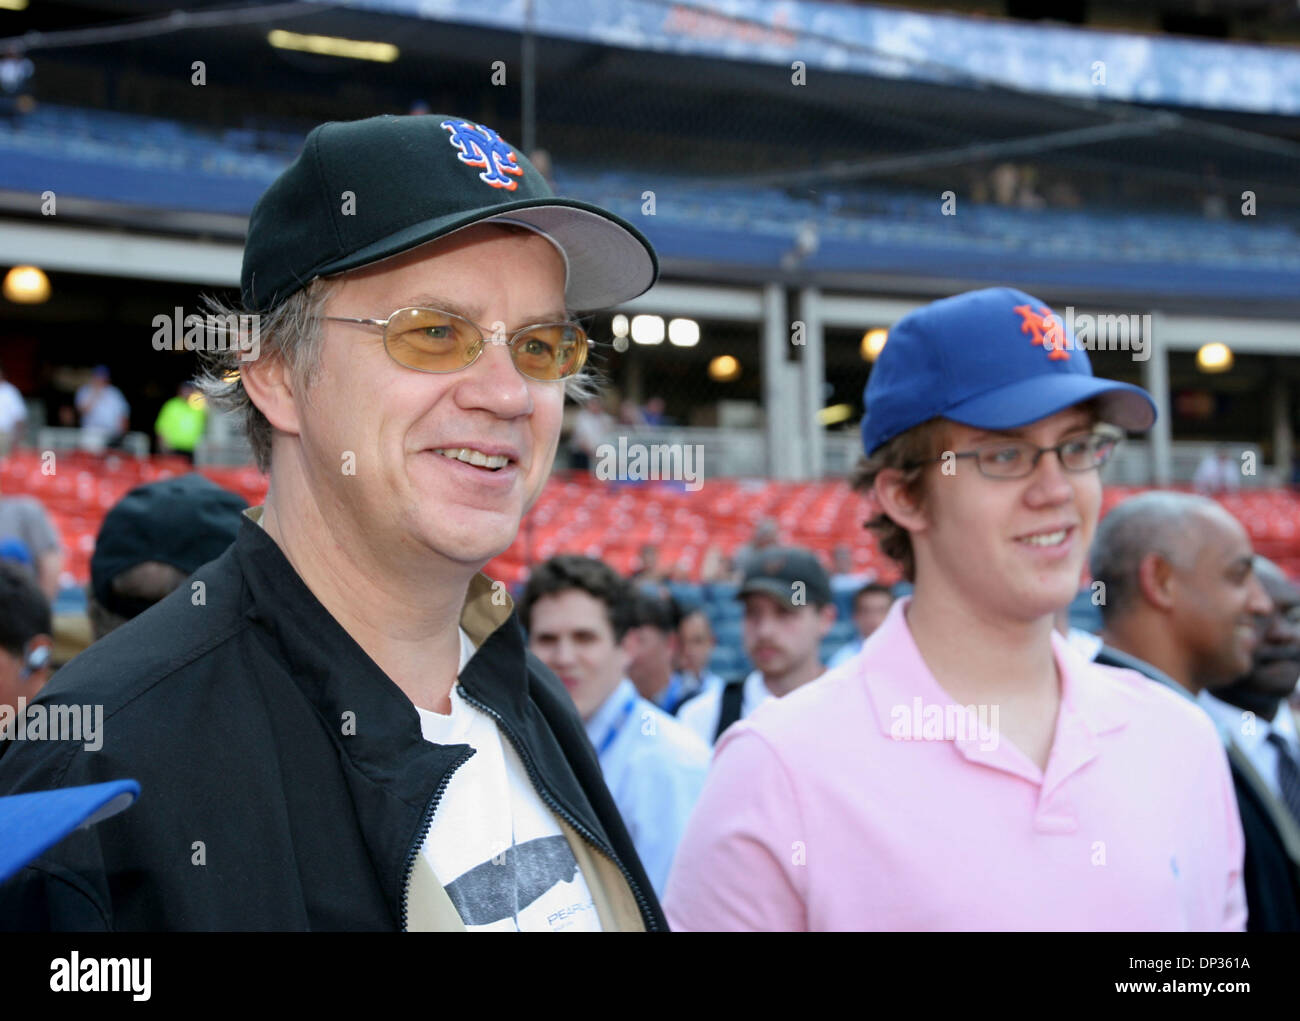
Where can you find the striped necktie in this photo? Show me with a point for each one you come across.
(1288, 773)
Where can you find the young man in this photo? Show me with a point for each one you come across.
(1063, 795)
(788, 611)
(579, 615)
(871, 606)
(652, 644)
(695, 645)
(355, 736)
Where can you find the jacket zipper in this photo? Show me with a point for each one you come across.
(644, 906)
(429, 809)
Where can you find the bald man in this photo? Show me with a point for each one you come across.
(1184, 606)
(1180, 590)
(1264, 748)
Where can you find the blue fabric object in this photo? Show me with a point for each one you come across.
(996, 358)
(30, 824)
(15, 550)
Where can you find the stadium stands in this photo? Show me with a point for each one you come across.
(611, 521)
(135, 160)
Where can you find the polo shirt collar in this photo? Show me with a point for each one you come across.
(896, 676)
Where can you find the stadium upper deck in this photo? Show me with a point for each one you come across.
(818, 153)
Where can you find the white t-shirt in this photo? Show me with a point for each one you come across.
(105, 409)
(701, 713)
(493, 844)
(12, 408)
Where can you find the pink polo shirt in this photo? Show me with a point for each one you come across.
(868, 800)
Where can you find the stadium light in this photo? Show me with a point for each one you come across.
(618, 326)
(648, 329)
(333, 46)
(724, 369)
(1214, 357)
(873, 342)
(683, 332)
(13, 5)
(26, 285)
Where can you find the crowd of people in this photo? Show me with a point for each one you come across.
(336, 721)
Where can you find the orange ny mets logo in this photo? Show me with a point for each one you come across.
(1046, 329)
(480, 146)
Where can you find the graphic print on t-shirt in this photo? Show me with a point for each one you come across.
(514, 879)
(493, 844)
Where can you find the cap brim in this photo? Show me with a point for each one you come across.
(33, 823)
(608, 260)
(778, 590)
(1029, 400)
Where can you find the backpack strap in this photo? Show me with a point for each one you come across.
(733, 694)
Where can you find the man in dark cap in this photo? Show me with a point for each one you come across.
(152, 540)
(788, 611)
(386, 754)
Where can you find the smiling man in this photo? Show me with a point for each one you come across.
(1180, 589)
(968, 769)
(336, 724)
(580, 615)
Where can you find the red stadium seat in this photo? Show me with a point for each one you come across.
(577, 513)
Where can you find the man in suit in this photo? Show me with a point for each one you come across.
(1183, 605)
(1264, 745)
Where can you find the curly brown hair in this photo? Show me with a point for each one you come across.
(909, 452)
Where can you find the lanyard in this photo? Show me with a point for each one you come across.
(618, 725)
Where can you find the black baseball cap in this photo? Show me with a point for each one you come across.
(774, 572)
(184, 521)
(362, 191)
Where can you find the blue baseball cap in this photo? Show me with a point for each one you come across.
(32, 823)
(991, 359)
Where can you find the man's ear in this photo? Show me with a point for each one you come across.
(1155, 579)
(892, 496)
(270, 387)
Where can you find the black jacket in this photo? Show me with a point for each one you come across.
(228, 702)
(1270, 873)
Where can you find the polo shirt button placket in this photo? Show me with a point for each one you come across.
(1056, 817)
